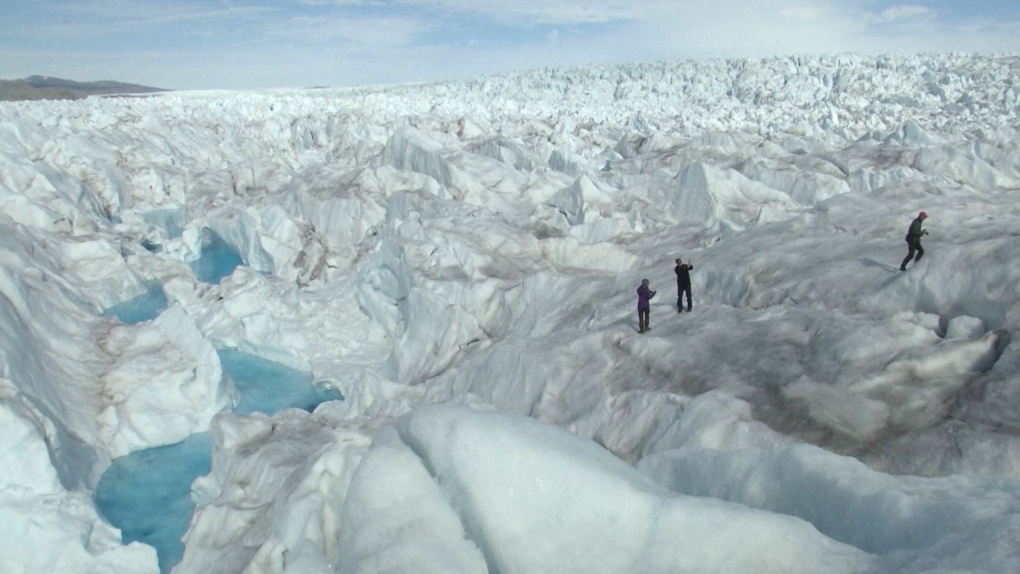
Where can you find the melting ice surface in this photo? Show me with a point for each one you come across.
(147, 493)
(461, 261)
(218, 258)
(142, 308)
(171, 220)
(266, 386)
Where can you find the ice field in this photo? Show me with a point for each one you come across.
(394, 329)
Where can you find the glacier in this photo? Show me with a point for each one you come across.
(458, 261)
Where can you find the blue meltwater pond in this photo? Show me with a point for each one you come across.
(218, 258)
(147, 493)
(144, 307)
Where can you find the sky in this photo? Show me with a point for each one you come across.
(256, 44)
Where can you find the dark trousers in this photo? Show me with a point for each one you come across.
(913, 246)
(642, 319)
(682, 290)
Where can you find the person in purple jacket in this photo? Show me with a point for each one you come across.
(644, 295)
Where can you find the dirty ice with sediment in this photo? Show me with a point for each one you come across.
(459, 261)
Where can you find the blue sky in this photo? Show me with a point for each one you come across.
(251, 44)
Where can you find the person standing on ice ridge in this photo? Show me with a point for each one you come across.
(914, 240)
(683, 284)
(644, 296)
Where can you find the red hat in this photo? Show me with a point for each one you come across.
(923, 215)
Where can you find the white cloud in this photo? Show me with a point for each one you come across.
(333, 2)
(903, 12)
(551, 11)
(139, 14)
(362, 31)
(101, 19)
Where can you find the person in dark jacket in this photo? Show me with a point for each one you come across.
(683, 284)
(914, 235)
(644, 296)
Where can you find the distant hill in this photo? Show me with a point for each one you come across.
(47, 88)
